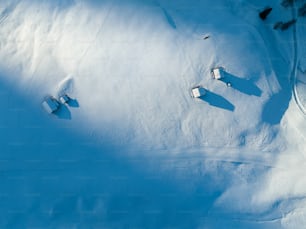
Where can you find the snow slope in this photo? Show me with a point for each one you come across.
(133, 149)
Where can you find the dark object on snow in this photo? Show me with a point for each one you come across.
(278, 25)
(287, 24)
(302, 10)
(284, 25)
(263, 14)
(287, 3)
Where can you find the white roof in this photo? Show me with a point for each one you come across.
(217, 73)
(50, 105)
(198, 92)
(64, 99)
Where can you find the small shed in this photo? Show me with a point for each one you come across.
(64, 98)
(217, 73)
(198, 92)
(50, 104)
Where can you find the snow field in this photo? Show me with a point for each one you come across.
(130, 66)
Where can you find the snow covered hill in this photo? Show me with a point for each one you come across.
(133, 148)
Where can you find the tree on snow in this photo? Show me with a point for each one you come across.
(263, 14)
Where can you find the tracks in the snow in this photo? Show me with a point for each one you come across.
(293, 77)
(228, 155)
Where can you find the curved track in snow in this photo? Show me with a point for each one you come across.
(293, 77)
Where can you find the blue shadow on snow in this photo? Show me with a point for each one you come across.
(73, 103)
(48, 166)
(217, 101)
(277, 105)
(169, 18)
(243, 85)
(63, 112)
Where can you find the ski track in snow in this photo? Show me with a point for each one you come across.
(293, 78)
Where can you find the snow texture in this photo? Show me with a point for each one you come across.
(132, 148)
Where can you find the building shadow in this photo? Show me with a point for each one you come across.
(73, 103)
(63, 112)
(217, 101)
(243, 85)
(275, 108)
(169, 18)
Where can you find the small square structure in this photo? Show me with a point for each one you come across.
(198, 92)
(50, 105)
(64, 99)
(217, 73)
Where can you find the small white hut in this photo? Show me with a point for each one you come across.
(198, 92)
(217, 73)
(64, 98)
(50, 104)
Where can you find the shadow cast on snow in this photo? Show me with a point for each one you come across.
(76, 179)
(243, 85)
(217, 101)
(74, 176)
(169, 18)
(277, 105)
(63, 112)
(73, 103)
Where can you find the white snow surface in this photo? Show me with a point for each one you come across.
(133, 148)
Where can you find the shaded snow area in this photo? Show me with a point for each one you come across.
(132, 148)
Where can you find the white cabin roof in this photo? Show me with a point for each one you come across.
(64, 99)
(198, 92)
(50, 105)
(217, 73)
